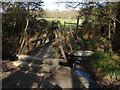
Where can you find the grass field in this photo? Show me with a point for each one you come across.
(63, 20)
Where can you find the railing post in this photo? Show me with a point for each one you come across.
(64, 24)
(77, 23)
(27, 39)
(37, 38)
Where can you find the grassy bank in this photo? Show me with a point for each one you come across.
(106, 64)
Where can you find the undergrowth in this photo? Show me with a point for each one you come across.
(102, 62)
(93, 45)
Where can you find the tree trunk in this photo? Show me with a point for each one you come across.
(116, 38)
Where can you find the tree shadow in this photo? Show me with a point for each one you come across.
(19, 79)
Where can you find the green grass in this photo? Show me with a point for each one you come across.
(63, 20)
(102, 62)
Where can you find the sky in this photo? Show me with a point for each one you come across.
(52, 5)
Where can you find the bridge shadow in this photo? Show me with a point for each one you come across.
(20, 79)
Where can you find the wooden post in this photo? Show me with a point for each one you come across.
(28, 38)
(37, 38)
(71, 33)
(70, 39)
(22, 44)
(77, 27)
(65, 39)
(59, 25)
(64, 24)
(56, 46)
(23, 41)
(62, 52)
(77, 23)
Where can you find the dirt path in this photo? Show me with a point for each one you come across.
(63, 78)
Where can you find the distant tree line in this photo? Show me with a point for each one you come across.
(65, 14)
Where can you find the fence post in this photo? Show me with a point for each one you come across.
(64, 24)
(37, 38)
(77, 23)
